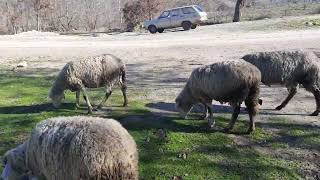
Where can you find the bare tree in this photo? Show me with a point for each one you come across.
(40, 6)
(151, 7)
(237, 12)
(13, 13)
(132, 14)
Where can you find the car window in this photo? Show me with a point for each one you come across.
(175, 12)
(165, 14)
(188, 10)
(198, 8)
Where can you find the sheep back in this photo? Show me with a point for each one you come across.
(92, 72)
(228, 81)
(82, 148)
(285, 67)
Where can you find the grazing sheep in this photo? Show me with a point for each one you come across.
(92, 72)
(73, 148)
(289, 68)
(232, 82)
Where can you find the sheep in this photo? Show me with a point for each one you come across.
(289, 68)
(92, 72)
(72, 148)
(229, 81)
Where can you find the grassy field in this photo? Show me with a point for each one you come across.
(188, 149)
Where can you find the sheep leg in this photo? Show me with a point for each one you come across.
(211, 121)
(316, 94)
(85, 96)
(235, 114)
(292, 92)
(206, 111)
(124, 93)
(253, 109)
(77, 99)
(252, 125)
(107, 95)
(252, 102)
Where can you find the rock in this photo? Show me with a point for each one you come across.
(177, 178)
(22, 64)
(309, 23)
(183, 155)
(161, 134)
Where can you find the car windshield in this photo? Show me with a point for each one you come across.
(164, 14)
(198, 8)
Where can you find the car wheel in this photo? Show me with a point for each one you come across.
(160, 30)
(186, 25)
(193, 26)
(152, 29)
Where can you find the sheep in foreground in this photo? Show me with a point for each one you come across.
(232, 82)
(92, 72)
(73, 148)
(289, 68)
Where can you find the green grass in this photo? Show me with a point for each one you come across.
(190, 150)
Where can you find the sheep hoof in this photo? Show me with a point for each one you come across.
(279, 108)
(90, 111)
(204, 117)
(316, 113)
(260, 102)
(125, 105)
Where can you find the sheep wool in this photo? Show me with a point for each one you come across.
(73, 148)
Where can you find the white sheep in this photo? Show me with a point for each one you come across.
(73, 148)
(289, 68)
(92, 72)
(229, 81)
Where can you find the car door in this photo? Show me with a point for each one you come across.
(164, 20)
(189, 14)
(175, 18)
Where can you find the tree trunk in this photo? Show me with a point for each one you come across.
(237, 11)
(38, 21)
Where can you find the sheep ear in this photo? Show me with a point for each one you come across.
(6, 172)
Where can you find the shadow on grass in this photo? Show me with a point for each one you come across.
(273, 112)
(38, 108)
(302, 136)
(170, 107)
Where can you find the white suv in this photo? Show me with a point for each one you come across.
(187, 17)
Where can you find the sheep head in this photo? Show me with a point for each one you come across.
(57, 99)
(184, 103)
(14, 161)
